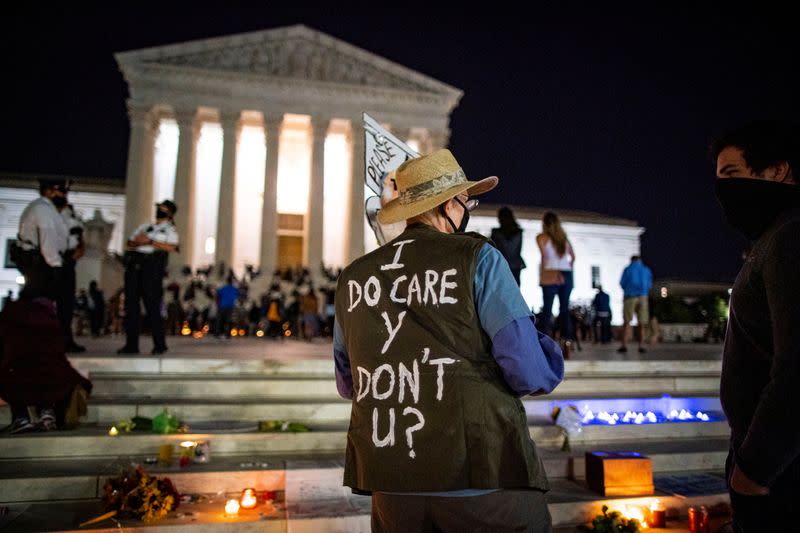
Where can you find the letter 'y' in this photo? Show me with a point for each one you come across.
(392, 331)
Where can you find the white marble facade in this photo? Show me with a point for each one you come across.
(243, 129)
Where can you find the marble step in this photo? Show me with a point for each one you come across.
(225, 365)
(110, 410)
(93, 441)
(315, 502)
(248, 385)
(71, 479)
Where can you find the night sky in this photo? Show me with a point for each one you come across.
(577, 108)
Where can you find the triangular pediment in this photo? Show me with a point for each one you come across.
(295, 53)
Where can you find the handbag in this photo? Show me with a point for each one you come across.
(550, 277)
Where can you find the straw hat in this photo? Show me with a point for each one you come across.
(427, 181)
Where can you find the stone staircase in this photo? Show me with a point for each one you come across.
(223, 399)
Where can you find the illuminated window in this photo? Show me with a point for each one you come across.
(595, 277)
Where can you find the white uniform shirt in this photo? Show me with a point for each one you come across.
(162, 232)
(42, 226)
(71, 221)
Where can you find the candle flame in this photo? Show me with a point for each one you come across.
(232, 507)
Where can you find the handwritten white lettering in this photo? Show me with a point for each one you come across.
(405, 376)
(363, 388)
(388, 440)
(392, 331)
(444, 299)
(385, 368)
(353, 284)
(410, 430)
(440, 374)
(431, 277)
(395, 264)
(393, 293)
(372, 300)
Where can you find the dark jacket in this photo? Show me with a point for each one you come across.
(760, 388)
(510, 245)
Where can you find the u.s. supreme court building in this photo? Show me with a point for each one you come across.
(258, 139)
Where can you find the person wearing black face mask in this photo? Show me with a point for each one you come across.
(42, 240)
(145, 266)
(757, 186)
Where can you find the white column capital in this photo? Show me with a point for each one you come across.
(141, 114)
(320, 124)
(230, 120)
(273, 122)
(186, 117)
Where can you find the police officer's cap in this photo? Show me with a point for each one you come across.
(169, 204)
(59, 184)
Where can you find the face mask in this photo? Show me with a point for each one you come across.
(464, 219)
(752, 205)
(59, 201)
(161, 213)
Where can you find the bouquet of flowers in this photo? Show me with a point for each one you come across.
(612, 522)
(134, 493)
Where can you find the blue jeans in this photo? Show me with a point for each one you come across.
(549, 293)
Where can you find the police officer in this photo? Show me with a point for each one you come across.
(42, 240)
(66, 289)
(145, 266)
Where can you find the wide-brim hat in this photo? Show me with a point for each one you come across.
(427, 181)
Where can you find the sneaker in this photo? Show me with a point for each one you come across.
(75, 348)
(127, 350)
(622, 349)
(158, 351)
(21, 425)
(47, 420)
(642, 350)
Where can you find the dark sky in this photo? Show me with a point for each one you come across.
(579, 107)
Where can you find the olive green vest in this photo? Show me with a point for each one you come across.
(431, 410)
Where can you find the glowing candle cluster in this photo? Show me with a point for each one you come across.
(683, 414)
(637, 417)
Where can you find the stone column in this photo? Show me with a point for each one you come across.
(316, 196)
(139, 177)
(189, 128)
(273, 123)
(355, 245)
(231, 128)
(402, 134)
(438, 139)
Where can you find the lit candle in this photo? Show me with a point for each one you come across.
(249, 499)
(232, 507)
(658, 516)
(113, 432)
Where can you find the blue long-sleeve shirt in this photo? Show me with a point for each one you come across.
(531, 362)
(636, 280)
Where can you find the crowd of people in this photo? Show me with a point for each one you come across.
(574, 323)
(214, 301)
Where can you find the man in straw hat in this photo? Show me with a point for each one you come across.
(434, 344)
